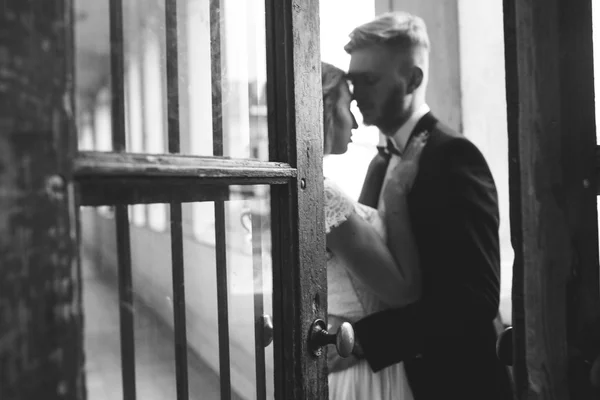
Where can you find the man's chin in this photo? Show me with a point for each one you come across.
(368, 121)
(339, 151)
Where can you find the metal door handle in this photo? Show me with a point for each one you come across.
(319, 337)
(504, 346)
(267, 323)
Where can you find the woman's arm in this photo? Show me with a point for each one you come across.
(366, 255)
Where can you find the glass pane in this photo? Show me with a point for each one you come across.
(145, 76)
(249, 286)
(100, 302)
(484, 119)
(92, 75)
(237, 121)
(152, 307)
(247, 248)
(241, 85)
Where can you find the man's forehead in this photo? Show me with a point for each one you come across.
(369, 60)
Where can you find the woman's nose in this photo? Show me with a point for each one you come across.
(354, 123)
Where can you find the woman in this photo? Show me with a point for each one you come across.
(364, 275)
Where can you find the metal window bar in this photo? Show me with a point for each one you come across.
(179, 302)
(125, 302)
(179, 322)
(259, 323)
(172, 75)
(220, 226)
(121, 215)
(222, 303)
(117, 70)
(216, 62)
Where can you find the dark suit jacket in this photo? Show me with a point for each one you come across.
(447, 340)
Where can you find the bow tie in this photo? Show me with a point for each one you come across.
(388, 150)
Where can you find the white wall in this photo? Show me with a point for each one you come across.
(481, 34)
(338, 19)
(444, 89)
(467, 90)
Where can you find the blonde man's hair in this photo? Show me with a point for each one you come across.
(395, 29)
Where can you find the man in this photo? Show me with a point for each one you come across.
(447, 339)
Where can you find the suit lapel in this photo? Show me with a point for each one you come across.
(426, 123)
(369, 195)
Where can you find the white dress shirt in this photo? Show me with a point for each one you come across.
(400, 138)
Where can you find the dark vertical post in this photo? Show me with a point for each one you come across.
(179, 303)
(222, 303)
(259, 329)
(117, 63)
(176, 228)
(519, 369)
(125, 302)
(216, 58)
(117, 75)
(550, 98)
(295, 124)
(578, 142)
(172, 75)
(220, 226)
(42, 337)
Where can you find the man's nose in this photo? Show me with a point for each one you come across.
(358, 95)
(354, 123)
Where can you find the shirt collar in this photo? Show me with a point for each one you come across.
(403, 133)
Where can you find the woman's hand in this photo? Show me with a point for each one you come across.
(402, 176)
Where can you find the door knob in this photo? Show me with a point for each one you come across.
(504, 347)
(319, 337)
(267, 326)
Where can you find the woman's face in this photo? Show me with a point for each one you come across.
(344, 122)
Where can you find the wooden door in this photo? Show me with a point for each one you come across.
(46, 179)
(553, 189)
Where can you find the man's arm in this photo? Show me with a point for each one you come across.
(462, 286)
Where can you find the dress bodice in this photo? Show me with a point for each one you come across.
(347, 296)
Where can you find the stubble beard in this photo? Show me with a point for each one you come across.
(393, 115)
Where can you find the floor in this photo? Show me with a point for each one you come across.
(155, 357)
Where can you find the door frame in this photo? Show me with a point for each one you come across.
(553, 166)
(294, 60)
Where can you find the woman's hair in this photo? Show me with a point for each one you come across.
(398, 28)
(331, 78)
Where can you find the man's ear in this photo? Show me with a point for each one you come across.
(416, 79)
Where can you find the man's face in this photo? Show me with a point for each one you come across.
(380, 86)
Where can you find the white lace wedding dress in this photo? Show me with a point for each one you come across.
(349, 298)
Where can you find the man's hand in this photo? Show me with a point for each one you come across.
(403, 175)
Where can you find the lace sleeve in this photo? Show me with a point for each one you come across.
(338, 206)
